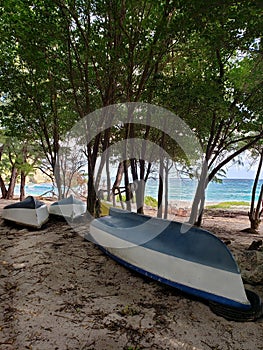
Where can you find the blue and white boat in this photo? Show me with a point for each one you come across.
(29, 212)
(69, 208)
(188, 258)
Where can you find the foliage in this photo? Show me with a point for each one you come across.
(35, 100)
(129, 310)
(216, 83)
(227, 205)
(152, 202)
(61, 60)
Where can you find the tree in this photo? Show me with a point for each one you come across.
(71, 166)
(18, 158)
(216, 85)
(114, 49)
(33, 81)
(9, 172)
(255, 211)
(61, 60)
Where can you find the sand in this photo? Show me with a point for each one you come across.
(59, 291)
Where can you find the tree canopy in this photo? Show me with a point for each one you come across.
(61, 60)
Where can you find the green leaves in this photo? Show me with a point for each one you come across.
(62, 59)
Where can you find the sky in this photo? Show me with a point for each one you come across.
(242, 172)
(233, 171)
(245, 171)
(239, 172)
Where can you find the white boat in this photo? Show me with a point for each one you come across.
(185, 257)
(69, 208)
(29, 212)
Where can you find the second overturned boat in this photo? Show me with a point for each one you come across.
(29, 212)
(69, 208)
(185, 257)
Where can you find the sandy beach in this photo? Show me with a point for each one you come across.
(61, 292)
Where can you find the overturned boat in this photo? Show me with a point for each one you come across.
(188, 258)
(29, 212)
(69, 208)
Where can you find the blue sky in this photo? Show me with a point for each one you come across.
(242, 172)
(238, 172)
(245, 171)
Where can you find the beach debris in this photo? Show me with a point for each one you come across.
(129, 310)
(255, 245)
(18, 266)
(227, 241)
(251, 265)
(182, 212)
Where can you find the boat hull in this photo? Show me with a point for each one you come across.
(34, 217)
(69, 208)
(181, 260)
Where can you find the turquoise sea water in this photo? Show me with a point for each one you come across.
(227, 190)
(36, 189)
(184, 189)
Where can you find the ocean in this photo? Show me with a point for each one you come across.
(182, 189)
(225, 191)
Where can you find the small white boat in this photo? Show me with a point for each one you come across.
(69, 208)
(29, 212)
(185, 257)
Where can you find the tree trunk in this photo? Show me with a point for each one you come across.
(198, 222)
(117, 182)
(119, 175)
(255, 216)
(91, 198)
(166, 188)
(22, 185)
(161, 176)
(57, 175)
(254, 213)
(108, 179)
(3, 188)
(139, 183)
(127, 185)
(160, 191)
(12, 183)
(199, 199)
(140, 190)
(92, 155)
(2, 183)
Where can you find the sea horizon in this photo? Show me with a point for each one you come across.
(179, 189)
(227, 190)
